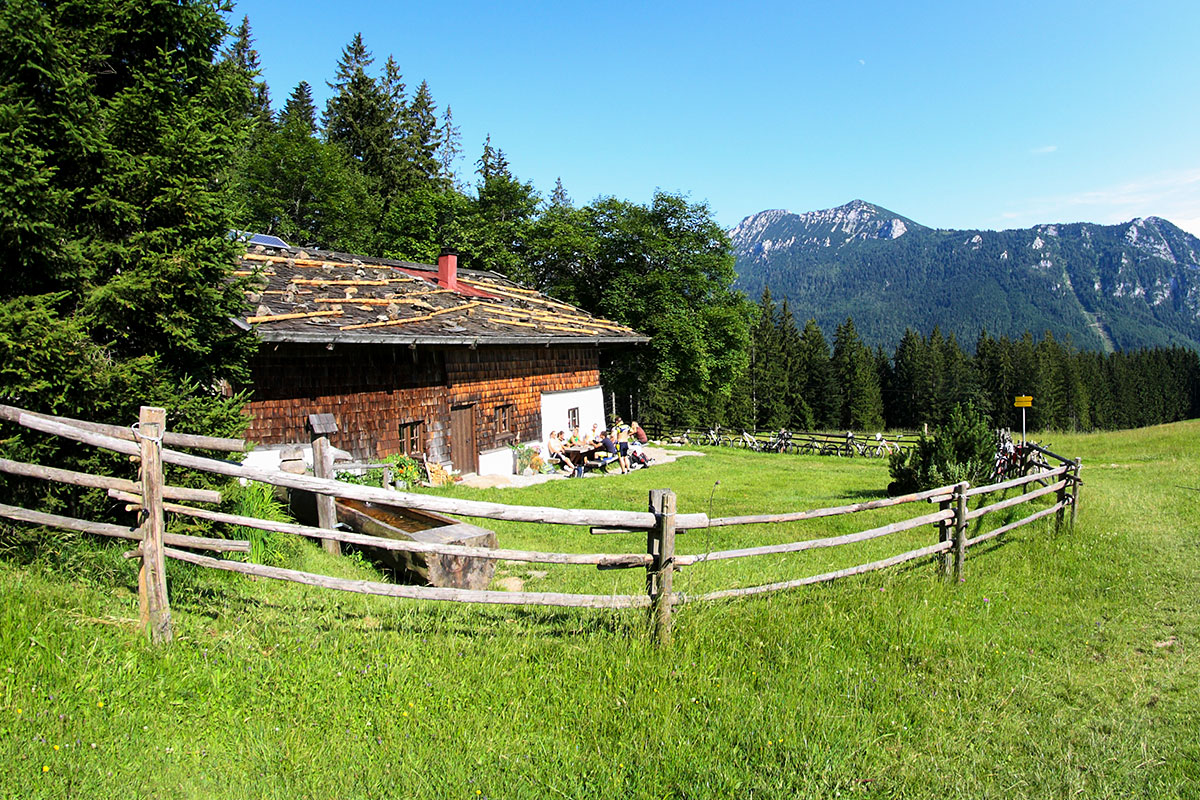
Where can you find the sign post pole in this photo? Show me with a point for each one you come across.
(1023, 401)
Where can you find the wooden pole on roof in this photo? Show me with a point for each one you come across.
(152, 578)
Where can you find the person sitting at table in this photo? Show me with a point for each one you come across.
(606, 449)
(575, 438)
(596, 434)
(557, 451)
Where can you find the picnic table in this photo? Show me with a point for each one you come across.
(588, 455)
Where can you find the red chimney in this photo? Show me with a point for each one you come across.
(448, 270)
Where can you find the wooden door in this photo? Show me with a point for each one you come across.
(464, 453)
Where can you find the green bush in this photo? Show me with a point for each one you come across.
(961, 450)
(404, 468)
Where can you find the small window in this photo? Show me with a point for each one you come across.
(505, 419)
(412, 438)
(572, 418)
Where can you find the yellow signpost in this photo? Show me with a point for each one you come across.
(1023, 401)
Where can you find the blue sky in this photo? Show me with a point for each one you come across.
(957, 115)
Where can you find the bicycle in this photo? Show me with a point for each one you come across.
(750, 442)
(778, 442)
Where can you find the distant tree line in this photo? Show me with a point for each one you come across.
(795, 380)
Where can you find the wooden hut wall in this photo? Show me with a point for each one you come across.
(373, 389)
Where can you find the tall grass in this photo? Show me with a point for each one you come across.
(1062, 667)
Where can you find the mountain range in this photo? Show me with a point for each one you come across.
(1105, 287)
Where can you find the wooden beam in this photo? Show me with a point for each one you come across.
(796, 516)
(1017, 500)
(377, 301)
(809, 544)
(331, 282)
(1045, 512)
(304, 315)
(156, 607)
(1021, 481)
(511, 322)
(13, 414)
(407, 320)
(118, 532)
(103, 481)
(586, 331)
(660, 546)
(823, 577)
(489, 285)
(600, 560)
(417, 592)
(326, 509)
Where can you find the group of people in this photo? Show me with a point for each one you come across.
(622, 443)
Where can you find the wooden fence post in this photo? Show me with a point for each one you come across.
(944, 528)
(152, 579)
(660, 544)
(960, 528)
(1075, 484)
(1060, 497)
(321, 425)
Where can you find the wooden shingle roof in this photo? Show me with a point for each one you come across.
(326, 297)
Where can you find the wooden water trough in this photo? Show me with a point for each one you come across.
(408, 524)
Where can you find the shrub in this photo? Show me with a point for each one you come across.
(404, 468)
(961, 450)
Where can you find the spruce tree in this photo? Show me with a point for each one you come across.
(800, 414)
(117, 263)
(363, 117)
(422, 137)
(815, 375)
(854, 369)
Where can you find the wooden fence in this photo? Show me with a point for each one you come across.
(660, 522)
(818, 443)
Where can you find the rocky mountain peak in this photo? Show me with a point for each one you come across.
(858, 220)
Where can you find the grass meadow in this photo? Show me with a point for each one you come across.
(1064, 666)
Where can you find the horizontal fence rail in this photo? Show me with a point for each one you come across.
(933, 549)
(12, 414)
(151, 497)
(416, 592)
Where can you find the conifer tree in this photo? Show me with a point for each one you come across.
(117, 263)
(505, 209)
(815, 375)
(800, 414)
(299, 113)
(363, 116)
(242, 56)
(768, 380)
(449, 149)
(854, 369)
(422, 137)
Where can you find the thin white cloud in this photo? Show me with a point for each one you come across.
(862, 63)
(1044, 150)
(1174, 196)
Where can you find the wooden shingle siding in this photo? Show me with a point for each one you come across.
(371, 389)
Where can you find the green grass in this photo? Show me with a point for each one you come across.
(1062, 667)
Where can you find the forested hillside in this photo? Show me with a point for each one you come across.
(1104, 287)
(797, 379)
